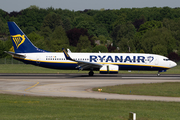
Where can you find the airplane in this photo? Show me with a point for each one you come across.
(105, 63)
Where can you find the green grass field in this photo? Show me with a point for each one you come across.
(170, 89)
(50, 108)
(15, 107)
(24, 68)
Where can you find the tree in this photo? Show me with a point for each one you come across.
(58, 39)
(101, 30)
(2, 49)
(46, 32)
(3, 15)
(174, 56)
(106, 18)
(32, 16)
(83, 44)
(3, 29)
(161, 36)
(138, 22)
(102, 39)
(123, 31)
(29, 29)
(7, 45)
(60, 34)
(35, 39)
(83, 17)
(137, 41)
(57, 45)
(74, 35)
(126, 45)
(67, 24)
(52, 20)
(111, 48)
(149, 25)
(33, 7)
(159, 49)
(120, 20)
(174, 26)
(154, 14)
(90, 26)
(100, 48)
(166, 12)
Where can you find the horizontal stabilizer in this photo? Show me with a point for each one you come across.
(15, 54)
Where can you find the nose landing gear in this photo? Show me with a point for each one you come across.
(160, 72)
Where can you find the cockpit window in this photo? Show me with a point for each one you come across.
(166, 59)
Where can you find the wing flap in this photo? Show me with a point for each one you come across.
(86, 65)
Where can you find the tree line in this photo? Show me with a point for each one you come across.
(136, 30)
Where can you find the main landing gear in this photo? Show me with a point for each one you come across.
(158, 74)
(91, 73)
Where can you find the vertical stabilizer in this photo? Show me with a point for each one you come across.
(20, 41)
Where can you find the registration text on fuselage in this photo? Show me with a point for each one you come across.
(114, 59)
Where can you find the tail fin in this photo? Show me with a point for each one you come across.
(20, 41)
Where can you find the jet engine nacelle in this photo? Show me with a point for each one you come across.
(109, 69)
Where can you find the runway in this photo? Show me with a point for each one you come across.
(79, 85)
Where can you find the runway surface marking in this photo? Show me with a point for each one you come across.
(79, 86)
(31, 86)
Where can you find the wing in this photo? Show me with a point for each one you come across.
(82, 64)
(87, 65)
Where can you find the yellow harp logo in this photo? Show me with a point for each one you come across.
(18, 39)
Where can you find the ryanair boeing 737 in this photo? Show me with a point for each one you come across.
(106, 63)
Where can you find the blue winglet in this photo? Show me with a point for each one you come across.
(66, 55)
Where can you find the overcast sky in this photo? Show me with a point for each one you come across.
(17, 5)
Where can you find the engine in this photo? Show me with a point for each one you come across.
(109, 69)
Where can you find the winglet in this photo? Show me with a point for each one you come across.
(69, 51)
(66, 55)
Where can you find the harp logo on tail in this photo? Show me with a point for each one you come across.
(18, 39)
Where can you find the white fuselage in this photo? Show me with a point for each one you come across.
(125, 61)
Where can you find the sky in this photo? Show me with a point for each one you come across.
(18, 5)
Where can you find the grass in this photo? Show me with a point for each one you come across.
(14, 107)
(24, 68)
(170, 89)
(45, 108)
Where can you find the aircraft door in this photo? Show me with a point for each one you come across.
(38, 58)
(156, 61)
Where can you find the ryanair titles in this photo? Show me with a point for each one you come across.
(130, 59)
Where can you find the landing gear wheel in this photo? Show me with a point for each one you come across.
(91, 73)
(158, 74)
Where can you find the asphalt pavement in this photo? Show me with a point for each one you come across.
(80, 85)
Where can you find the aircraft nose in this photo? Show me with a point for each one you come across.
(173, 64)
